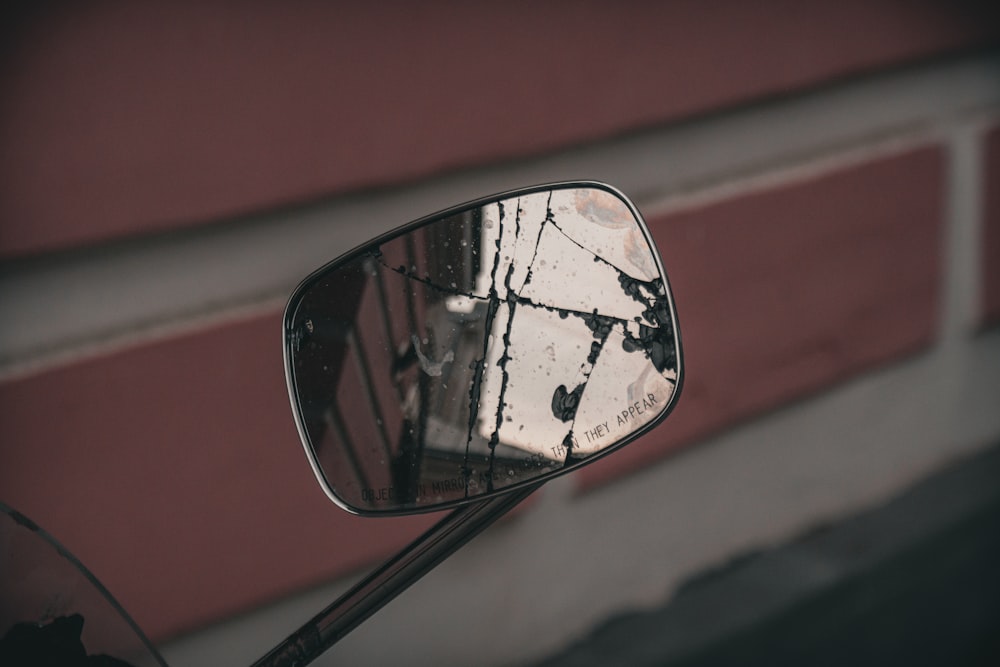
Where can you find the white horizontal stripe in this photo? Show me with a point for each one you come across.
(67, 305)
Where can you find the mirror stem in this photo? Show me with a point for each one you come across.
(389, 580)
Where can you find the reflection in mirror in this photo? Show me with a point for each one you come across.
(482, 349)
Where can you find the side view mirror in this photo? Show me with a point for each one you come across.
(482, 349)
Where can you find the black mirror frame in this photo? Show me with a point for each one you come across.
(296, 297)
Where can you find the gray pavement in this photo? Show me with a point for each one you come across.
(915, 581)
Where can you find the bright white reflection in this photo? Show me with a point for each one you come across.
(569, 258)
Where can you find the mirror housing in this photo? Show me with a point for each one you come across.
(482, 349)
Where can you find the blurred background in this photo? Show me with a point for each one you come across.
(822, 180)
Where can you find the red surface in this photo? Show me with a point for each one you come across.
(783, 292)
(119, 118)
(991, 228)
(173, 470)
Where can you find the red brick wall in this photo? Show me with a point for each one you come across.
(121, 118)
(785, 291)
(183, 460)
(172, 468)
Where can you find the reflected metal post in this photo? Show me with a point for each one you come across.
(337, 422)
(368, 384)
(389, 580)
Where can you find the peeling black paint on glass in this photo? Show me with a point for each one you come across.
(656, 342)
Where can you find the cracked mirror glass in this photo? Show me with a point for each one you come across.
(482, 349)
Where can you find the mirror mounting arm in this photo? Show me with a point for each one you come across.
(389, 580)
